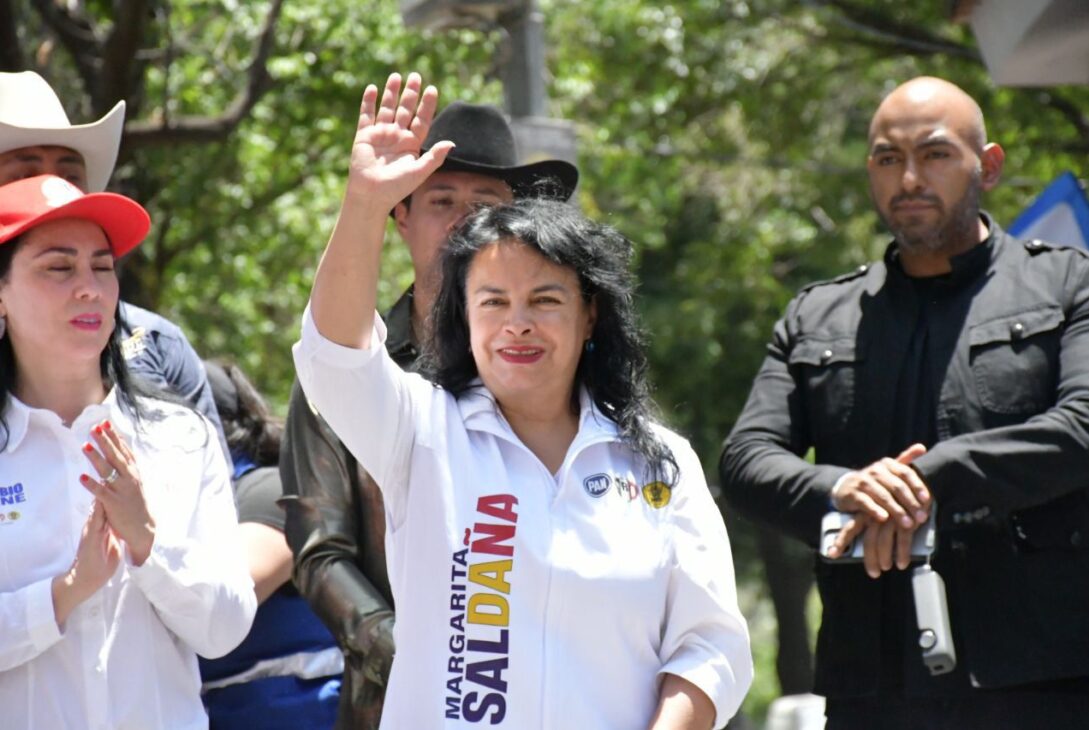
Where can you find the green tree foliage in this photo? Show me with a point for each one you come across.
(726, 138)
(729, 140)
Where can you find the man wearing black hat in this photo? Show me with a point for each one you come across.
(335, 517)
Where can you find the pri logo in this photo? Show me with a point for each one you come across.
(597, 485)
(627, 488)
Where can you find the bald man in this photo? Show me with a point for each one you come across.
(951, 376)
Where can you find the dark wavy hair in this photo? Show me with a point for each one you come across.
(250, 428)
(115, 374)
(614, 369)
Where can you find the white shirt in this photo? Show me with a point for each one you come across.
(528, 600)
(126, 657)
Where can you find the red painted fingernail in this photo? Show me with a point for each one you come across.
(84, 478)
(98, 430)
(107, 425)
(88, 448)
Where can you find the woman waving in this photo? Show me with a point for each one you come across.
(555, 556)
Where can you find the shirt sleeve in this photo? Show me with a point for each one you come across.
(332, 523)
(184, 373)
(762, 470)
(706, 639)
(167, 360)
(28, 624)
(372, 405)
(197, 577)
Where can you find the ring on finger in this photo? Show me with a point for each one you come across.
(111, 477)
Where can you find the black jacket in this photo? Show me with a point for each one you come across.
(336, 529)
(1009, 471)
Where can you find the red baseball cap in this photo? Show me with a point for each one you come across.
(27, 203)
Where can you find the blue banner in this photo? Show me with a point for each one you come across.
(1059, 215)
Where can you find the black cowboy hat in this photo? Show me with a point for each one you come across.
(485, 145)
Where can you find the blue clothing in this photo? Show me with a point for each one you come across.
(287, 672)
(275, 703)
(157, 350)
(243, 465)
(286, 636)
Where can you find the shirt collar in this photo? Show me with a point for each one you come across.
(18, 415)
(965, 266)
(479, 411)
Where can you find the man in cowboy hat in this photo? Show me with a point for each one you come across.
(36, 138)
(335, 522)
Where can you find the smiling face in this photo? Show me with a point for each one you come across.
(528, 324)
(928, 165)
(59, 297)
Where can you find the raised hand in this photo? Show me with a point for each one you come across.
(119, 490)
(386, 167)
(386, 163)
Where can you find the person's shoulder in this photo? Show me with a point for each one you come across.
(162, 408)
(677, 443)
(1037, 247)
(816, 302)
(150, 321)
(1056, 264)
(175, 423)
(849, 279)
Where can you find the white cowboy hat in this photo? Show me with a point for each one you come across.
(31, 115)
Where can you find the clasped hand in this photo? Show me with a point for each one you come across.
(120, 515)
(890, 502)
(119, 490)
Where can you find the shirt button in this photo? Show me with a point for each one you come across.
(826, 356)
(1017, 330)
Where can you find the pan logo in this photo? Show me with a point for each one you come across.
(597, 485)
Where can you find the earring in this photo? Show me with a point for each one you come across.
(3, 326)
(589, 345)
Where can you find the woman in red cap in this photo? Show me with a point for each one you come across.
(118, 548)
